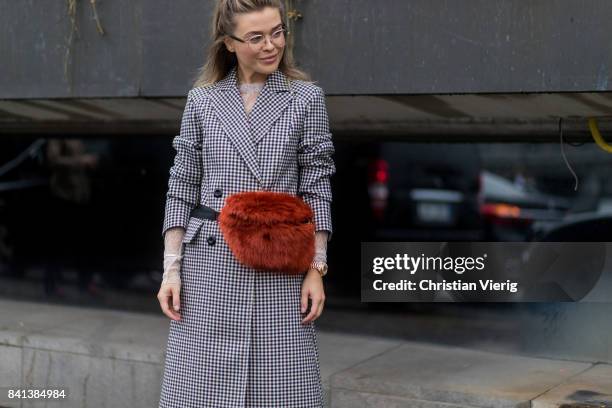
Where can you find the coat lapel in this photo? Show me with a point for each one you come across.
(270, 103)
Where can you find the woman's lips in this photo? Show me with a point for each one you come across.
(269, 60)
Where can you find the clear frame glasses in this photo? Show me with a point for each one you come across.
(257, 41)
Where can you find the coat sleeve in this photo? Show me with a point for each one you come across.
(186, 172)
(315, 162)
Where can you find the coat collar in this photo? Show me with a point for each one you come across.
(246, 133)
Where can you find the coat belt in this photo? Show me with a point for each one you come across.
(205, 213)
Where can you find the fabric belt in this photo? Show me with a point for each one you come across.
(205, 213)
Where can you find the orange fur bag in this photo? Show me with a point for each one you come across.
(269, 231)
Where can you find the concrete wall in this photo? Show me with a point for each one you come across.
(155, 47)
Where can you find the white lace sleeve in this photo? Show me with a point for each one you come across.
(321, 245)
(173, 255)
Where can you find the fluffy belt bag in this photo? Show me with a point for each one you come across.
(269, 231)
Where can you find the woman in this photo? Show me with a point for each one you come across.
(241, 337)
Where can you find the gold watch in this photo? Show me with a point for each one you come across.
(320, 267)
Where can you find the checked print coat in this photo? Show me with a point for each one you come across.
(240, 341)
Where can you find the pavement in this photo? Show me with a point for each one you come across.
(89, 351)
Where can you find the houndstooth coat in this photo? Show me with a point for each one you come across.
(240, 341)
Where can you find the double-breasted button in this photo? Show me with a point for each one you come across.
(211, 240)
(218, 193)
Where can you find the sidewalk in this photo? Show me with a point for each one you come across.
(89, 351)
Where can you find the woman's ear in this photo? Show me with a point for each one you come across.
(228, 44)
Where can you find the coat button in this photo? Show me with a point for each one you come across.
(218, 193)
(211, 240)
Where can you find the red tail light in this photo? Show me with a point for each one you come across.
(502, 213)
(378, 177)
(500, 210)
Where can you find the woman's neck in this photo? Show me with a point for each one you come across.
(253, 78)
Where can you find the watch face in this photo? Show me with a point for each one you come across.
(324, 269)
(321, 267)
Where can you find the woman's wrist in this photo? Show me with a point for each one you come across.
(312, 271)
(171, 277)
(172, 267)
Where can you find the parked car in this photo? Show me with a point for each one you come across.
(425, 192)
(399, 191)
(577, 273)
(510, 211)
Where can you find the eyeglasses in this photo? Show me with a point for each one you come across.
(257, 41)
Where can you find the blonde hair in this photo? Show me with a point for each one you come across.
(220, 61)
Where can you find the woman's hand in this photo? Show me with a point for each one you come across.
(170, 291)
(312, 287)
(169, 294)
(169, 299)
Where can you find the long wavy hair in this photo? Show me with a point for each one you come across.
(220, 61)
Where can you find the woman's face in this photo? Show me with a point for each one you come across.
(251, 58)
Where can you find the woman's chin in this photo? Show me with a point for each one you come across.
(268, 67)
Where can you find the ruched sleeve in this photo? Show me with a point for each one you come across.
(316, 164)
(186, 172)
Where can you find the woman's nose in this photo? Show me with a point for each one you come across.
(268, 45)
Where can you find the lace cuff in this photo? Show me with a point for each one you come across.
(321, 245)
(173, 257)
